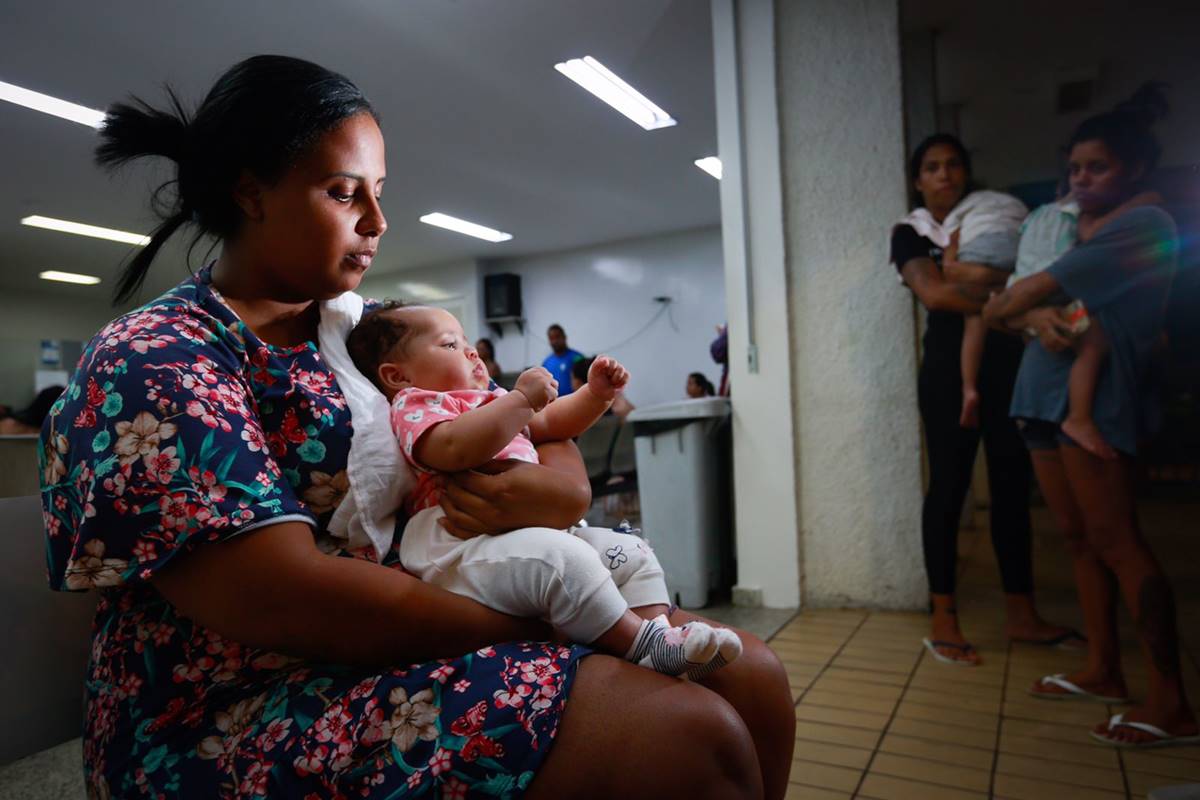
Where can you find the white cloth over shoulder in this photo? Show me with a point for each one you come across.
(378, 475)
(976, 214)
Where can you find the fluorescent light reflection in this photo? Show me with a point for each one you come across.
(606, 85)
(51, 105)
(711, 165)
(80, 229)
(462, 226)
(68, 277)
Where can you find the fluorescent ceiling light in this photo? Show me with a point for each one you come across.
(86, 230)
(602, 82)
(68, 277)
(462, 226)
(711, 165)
(51, 105)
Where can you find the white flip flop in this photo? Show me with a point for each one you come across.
(1073, 691)
(1161, 737)
(932, 647)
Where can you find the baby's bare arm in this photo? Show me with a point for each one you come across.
(473, 438)
(567, 417)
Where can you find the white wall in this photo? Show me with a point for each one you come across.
(604, 295)
(455, 286)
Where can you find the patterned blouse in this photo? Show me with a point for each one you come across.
(181, 427)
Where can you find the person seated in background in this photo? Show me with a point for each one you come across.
(599, 587)
(487, 354)
(29, 420)
(699, 386)
(560, 362)
(621, 406)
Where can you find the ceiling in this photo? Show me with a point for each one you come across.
(478, 124)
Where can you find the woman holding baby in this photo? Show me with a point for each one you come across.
(189, 471)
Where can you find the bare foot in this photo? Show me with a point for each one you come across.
(969, 418)
(1085, 433)
(1101, 686)
(1177, 722)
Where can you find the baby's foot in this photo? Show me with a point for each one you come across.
(729, 647)
(673, 651)
(969, 418)
(1085, 434)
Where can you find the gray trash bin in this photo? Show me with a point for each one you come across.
(682, 472)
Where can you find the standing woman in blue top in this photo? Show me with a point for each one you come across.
(940, 170)
(1122, 275)
(560, 361)
(188, 472)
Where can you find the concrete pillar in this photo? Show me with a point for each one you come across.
(827, 451)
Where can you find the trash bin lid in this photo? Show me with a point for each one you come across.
(699, 408)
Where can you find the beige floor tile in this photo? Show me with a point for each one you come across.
(944, 752)
(1014, 787)
(918, 769)
(1140, 783)
(935, 732)
(804, 658)
(950, 716)
(874, 665)
(825, 776)
(1060, 712)
(984, 703)
(1071, 734)
(836, 754)
(886, 787)
(796, 791)
(1060, 771)
(828, 683)
(865, 676)
(1164, 762)
(837, 716)
(849, 700)
(1071, 752)
(872, 650)
(942, 687)
(836, 734)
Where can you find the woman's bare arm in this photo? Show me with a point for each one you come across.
(272, 588)
(938, 294)
(979, 274)
(507, 495)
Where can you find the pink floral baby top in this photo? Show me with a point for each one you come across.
(415, 411)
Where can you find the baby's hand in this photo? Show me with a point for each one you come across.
(606, 377)
(538, 386)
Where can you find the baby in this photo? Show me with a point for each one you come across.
(599, 587)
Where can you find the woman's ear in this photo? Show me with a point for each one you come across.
(392, 377)
(248, 194)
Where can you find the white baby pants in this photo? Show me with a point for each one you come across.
(580, 580)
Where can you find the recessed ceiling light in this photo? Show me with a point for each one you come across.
(51, 105)
(65, 226)
(68, 277)
(462, 226)
(604, 83)
(711, 165)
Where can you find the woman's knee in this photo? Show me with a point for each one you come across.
(721, 742)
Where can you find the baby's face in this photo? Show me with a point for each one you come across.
(439, 357)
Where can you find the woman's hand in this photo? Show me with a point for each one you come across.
(506, 495)
(1051, 326)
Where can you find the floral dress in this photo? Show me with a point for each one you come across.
(181, 427)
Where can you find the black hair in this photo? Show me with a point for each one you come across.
(376, 335)
(260, 116)
(580, 368)
(37, 411)
(704, 383)
(1127, 130)
(491, 345)
(556, 327)
(918, 156)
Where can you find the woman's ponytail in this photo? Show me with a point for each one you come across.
(136, 130)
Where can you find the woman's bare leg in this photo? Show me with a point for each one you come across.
(1103, 490)
(1093, 582)
(756, 686)
(630, 732)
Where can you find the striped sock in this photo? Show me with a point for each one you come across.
(729, 647)
(673, 651)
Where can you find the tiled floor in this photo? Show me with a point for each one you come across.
(877, 718)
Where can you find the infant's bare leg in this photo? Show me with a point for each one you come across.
(1091, 348)
(974, 336)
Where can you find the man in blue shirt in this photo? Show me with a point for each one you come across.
(559, 362)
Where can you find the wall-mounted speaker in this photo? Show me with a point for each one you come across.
(502, 295)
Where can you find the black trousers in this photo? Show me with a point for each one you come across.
(951, 452)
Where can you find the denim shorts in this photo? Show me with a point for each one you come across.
(1040, 434)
